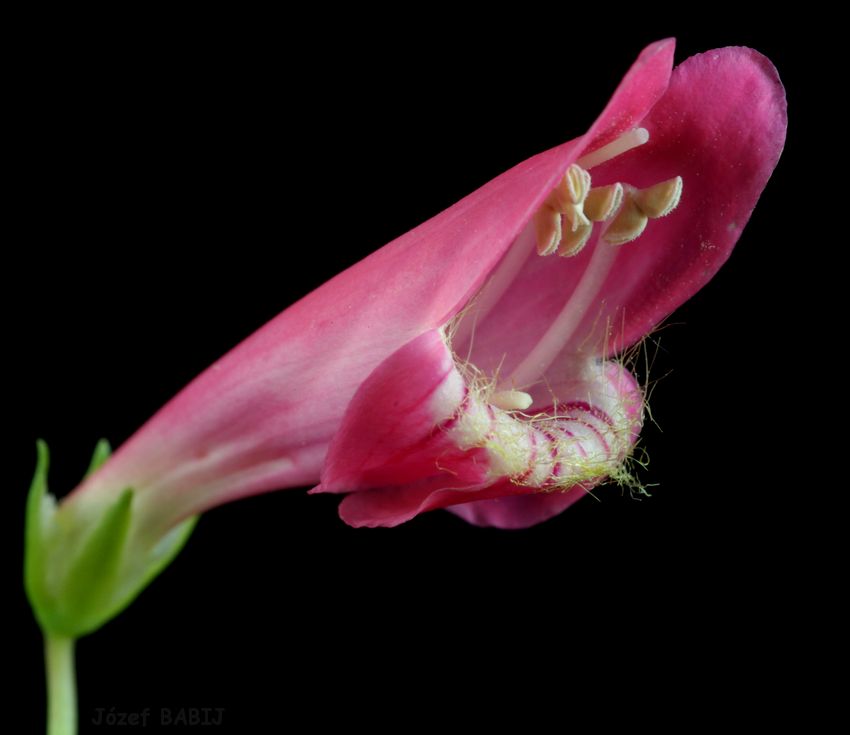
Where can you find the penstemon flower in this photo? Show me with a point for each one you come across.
(509, 407)
(469, 364)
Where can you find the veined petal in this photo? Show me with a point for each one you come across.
(391, 433)
(417, 436)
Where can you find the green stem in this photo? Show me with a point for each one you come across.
(61, 685)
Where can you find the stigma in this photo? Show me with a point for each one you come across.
(565, 221)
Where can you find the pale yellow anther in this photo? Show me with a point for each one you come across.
(559, 199)
(574, 240)
(603, 201)
(578, 204)
(576, 218)
(547, 229)
(511, 400)
(568, 196)
(578, 183)
(628, 225)
(661, 199)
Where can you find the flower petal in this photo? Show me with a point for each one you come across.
(391, 432)
(641, 87)
(392, 506)
(721, 127)
(518, 511)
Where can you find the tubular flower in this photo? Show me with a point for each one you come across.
(509, 407)
(471, 363)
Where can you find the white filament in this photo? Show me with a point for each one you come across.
(528, 372)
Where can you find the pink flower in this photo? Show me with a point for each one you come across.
(506, 406)
(471, 362)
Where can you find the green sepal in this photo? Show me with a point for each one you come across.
(102, 452)
(80, 574)
(89, 584)
(39, 505)
(158, 559)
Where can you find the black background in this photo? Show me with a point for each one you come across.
(184, 180)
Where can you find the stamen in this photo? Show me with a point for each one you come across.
(602, 202)
(640, 206)
(627, 141)
(578, 182)
(511, 400)
(628, 225)
(573, 242)
(568, 196)
(577, 218)
(547, 229)
(572, 195)
(560, 199)
(661, 199)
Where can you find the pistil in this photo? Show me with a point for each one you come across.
(627, 141)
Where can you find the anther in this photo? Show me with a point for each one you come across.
(573, 241)
(640, 206)
(580, 205)
(547, 229)
(511, 400)
(628, 225)
(602, 202)
(661, 199)
(569, 194)
(560, 199)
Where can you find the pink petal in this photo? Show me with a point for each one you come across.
(642, 86)
(394, 454)
(721, 126)
(391, 449)
(392, 506)
(518, 511)
(391, 432)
